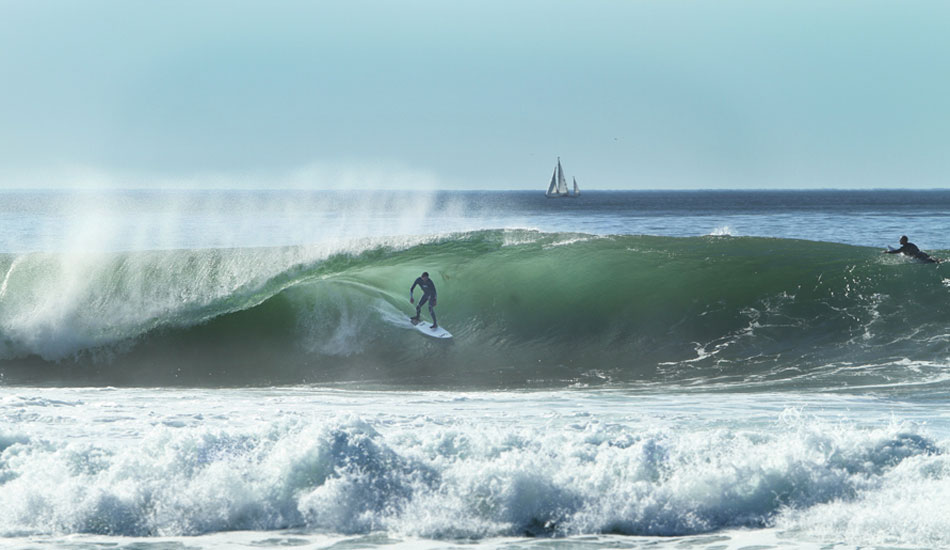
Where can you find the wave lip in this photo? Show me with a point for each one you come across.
(526, 308)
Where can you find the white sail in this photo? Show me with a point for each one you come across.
(558, 186)
(552, 189)
(561, 183)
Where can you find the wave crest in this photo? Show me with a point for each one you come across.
(527, 308)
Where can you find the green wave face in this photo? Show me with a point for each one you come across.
(527, 309)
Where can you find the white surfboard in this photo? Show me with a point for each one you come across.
(437, 332)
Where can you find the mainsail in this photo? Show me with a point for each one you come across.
(576, 190)
(561, 184)
(552, 189)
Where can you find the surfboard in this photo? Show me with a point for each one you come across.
(438, 332)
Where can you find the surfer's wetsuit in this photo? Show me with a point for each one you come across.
(910, 249)
(428, 295)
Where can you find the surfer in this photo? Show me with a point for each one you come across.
(910, 249)
(428, 295)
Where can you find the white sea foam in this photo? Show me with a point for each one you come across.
(431, 466)
(521, 236)
(722, 231)
(907, 508)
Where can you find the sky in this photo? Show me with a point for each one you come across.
(630, 94)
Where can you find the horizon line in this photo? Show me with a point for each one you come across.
(466, 190)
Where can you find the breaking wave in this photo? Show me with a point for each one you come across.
(526, 308)
(342, 475)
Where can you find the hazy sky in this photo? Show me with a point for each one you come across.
(457, 94)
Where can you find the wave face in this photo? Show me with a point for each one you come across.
(527, 309)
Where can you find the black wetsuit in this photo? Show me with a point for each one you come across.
(428, 295)
(910, 249)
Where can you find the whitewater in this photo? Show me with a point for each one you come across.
(218, 369)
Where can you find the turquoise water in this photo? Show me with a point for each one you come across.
(630, 370)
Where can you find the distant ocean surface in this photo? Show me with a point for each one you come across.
(704, 370)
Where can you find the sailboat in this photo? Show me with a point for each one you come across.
(558, 186)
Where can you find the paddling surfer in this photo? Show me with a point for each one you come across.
(910, 249)
(428, 295)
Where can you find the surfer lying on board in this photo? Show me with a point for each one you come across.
(910, 249)
(428, 295)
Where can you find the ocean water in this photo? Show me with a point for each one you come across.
(708, 370)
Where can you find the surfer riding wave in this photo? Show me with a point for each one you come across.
(428, 295)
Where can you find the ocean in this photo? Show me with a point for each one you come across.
(715, 370)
